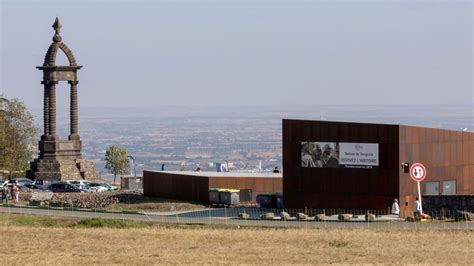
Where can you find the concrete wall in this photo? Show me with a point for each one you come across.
(132, 183)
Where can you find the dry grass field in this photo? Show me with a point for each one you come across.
(49, 241)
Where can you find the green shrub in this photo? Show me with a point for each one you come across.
(338, 243)
(108, 223)
(33, 220)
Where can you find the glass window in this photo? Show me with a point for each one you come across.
(449, 187)
(432, 188)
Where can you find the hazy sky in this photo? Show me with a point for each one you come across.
(245, 52)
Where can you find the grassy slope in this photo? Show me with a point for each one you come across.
(66, 242)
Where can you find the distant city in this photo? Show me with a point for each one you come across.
(247, 139)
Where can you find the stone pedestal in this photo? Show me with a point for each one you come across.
(61, 149)
(61, 160)
(63, 169)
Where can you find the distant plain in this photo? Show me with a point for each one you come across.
(185, 137)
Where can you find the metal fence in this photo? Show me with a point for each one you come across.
(258, 217)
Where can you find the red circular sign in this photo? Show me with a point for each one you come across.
(417, 172)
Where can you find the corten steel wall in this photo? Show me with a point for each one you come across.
(258, 185)
(196, 188)
(339, 188)
(447, 155)
(174, 186)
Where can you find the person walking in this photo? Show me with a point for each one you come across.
(16, 191)
(395, 207)
(417, 208)
(12, 193)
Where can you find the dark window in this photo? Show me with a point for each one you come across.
(432, 188)
(449, 187)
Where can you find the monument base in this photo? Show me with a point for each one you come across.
(62, 169)
(61, 160)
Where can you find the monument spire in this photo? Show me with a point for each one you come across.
(57, 27)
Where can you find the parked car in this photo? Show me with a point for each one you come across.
(42, 182)
(86, 188)
(83, 184)
(18, 181)
(79, 182)
(98, 186)
(31, 186)
(64, 187)
(109, 187)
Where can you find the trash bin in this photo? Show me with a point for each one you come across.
(229, 196)
(265, 200)
(214, 196)
(279, 200)
(270, 200)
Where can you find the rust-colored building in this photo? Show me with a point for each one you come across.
(341, 165)
(194, 186)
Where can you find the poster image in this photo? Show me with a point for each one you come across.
(320, 154)
(339, 155)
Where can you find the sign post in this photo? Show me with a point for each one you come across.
(419, 197)
(418, 174)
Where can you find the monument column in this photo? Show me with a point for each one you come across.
(52, 109)
(46, 110)
(73, 111)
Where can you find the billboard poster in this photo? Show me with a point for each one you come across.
(339, 155)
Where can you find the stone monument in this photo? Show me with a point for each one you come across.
(60, 159)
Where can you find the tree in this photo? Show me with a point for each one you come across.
(17, 133)
(116, 161)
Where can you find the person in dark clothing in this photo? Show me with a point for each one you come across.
(5, 194)
(417, 208)
(276, 170)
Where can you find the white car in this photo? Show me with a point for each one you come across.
(79, 182)
(98, 186)
(83, 184)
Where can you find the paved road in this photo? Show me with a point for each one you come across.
(200, 219)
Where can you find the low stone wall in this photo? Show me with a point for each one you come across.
(448, 203)
(84, 200)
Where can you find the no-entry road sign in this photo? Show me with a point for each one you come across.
(417, 172)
